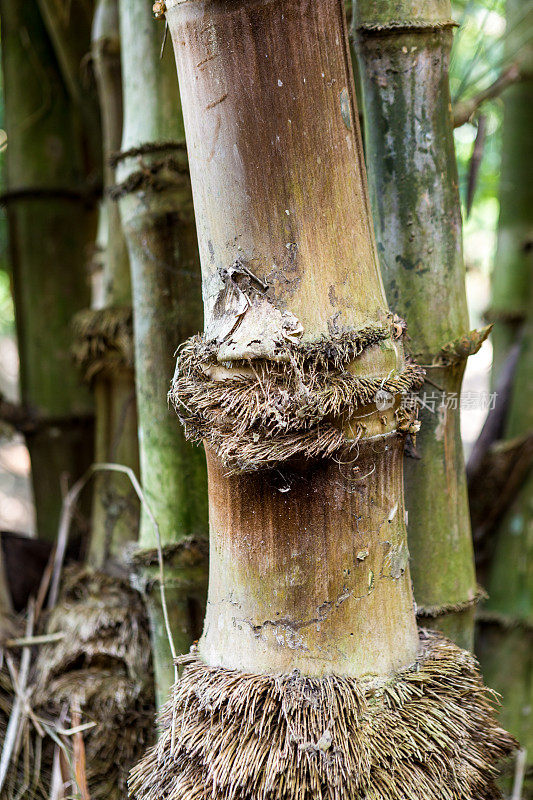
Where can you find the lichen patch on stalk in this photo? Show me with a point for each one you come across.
(427, 732)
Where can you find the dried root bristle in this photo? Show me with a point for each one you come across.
(103, 340)
(281, 409)
(102, 667)
(427, 733)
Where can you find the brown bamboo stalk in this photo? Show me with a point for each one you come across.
(252, 215)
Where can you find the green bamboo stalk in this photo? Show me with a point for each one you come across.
(158, 218)
(504, 642)
(69, 28)
(511, 278)
(51, 224)
(403, 50)
(115, 506)
(505, 629)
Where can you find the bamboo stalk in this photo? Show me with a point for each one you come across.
(158, 218)
(115, 507)
(511, 276)
(69, 28)
(51, 222)
(403, 50)
(505, 629)
(309, 606)
(252, 216)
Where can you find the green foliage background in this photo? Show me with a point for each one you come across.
(477, 60)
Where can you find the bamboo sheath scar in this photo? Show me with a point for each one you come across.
(309, 589)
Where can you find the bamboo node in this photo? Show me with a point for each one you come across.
(155, 175)
(264, 412)
(148, 148)
(190, 551)
(414, 25)
(440, 610)
(103, 340)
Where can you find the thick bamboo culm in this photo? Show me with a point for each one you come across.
(154, 192)
(51, 223)
(269, 197)
(403, 49)
(310, 614)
